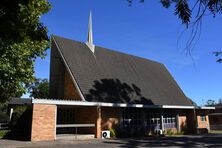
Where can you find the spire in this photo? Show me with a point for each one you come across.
(89, 42)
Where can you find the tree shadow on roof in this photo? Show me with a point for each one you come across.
(115, 91)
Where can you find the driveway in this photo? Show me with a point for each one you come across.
(210, 140)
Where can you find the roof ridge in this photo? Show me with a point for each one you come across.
(112, 50)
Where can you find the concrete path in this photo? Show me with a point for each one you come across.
(210, 140)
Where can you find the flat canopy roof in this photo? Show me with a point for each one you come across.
(85, 103)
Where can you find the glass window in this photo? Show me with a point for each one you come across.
(203, 118)
(169, 121)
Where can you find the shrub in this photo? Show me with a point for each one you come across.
(3, 112)
(3, 117)
(113, 133)
(180, 133)
(17, 113)
(20, 125)
(171, 132)
(168, 132)
(3, 133)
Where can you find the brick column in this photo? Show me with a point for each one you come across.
(43, 122)
(98, 123)
(178, 123)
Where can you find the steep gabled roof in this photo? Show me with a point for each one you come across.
(111, 76)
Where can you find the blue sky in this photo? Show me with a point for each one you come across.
(147, 30)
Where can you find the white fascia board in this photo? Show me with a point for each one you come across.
(70, 73)
(178, 107)
(85, 103)
(63, 102)
(205, 107)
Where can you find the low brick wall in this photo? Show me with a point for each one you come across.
(43, 122)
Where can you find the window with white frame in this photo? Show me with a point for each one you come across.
(169, 121)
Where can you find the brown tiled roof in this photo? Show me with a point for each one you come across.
(111, 76)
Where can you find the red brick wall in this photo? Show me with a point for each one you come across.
(70, 91)
(99, 123)
(43, 122)
(183, 123)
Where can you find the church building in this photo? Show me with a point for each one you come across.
(96, 89)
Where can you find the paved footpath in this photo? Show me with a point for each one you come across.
(210, 140)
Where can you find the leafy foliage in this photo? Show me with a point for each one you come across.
(23, 38)
(182, 8)
(220, 101)
(219, 55)
(195, 10)
(3, 112)
(17, 113)
(3, 117)
(183, 11)
(113, 133)
(3, 133)
(20, 124)
(39, 89)
(210, 102)
(199, 10)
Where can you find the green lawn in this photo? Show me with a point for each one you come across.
(3, 133)
(216, 131)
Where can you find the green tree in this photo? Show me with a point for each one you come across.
(220, 101)
(23, 38)
(219, 55)
(210, 102)
(185, 9)
(39, 89)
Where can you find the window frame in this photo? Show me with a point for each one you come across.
(203, 118)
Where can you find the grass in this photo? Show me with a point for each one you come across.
(215, 131)
(3, 133)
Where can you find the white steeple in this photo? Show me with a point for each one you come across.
(89, 41)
